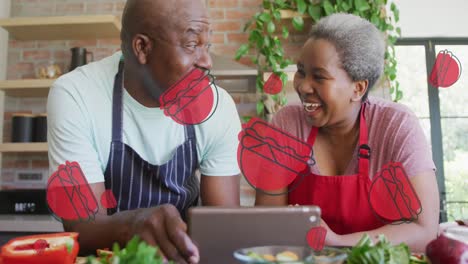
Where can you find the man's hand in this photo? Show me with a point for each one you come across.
(162, 226)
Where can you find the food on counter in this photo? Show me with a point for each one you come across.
(60, 248)
(136, 252)
(450, 247)
(285, 256)
(329, 255)
(418, 258)
(382, 252)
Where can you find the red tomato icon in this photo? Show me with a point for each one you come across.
(446, 70)
(273, 85)
(108, 200)
(316, 238)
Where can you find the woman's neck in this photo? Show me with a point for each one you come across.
(347, 130)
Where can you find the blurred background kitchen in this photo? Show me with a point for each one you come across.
(30, 59)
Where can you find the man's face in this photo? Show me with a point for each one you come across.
(182, 45)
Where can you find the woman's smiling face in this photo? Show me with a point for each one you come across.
(323, 85)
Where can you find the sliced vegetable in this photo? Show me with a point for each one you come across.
(418, 259)
(60, 248)
(255, 256)
(381, 253)
(269, 257)
(287, 256)
(135, 252)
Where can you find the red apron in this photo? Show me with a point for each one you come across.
(343, 199)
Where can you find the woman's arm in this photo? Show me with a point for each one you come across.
(417, 234)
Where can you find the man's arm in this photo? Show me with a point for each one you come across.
(70, 139)
(100, 232)
(159, 226)
(220, 190)
(220, 180)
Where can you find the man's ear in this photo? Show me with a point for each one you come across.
(142, 46)
(360, 88)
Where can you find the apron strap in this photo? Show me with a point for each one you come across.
(117, 117)
(364, 149)
(312, 136)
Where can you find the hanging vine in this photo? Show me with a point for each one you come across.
(265, 44)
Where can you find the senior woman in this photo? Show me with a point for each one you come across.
(342, 59)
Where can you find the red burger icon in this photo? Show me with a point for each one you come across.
(446, 70)
(392, 196)
(269, 158)
(69, 195)
(189, 101)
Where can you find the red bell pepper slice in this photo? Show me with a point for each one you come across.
(60, 248)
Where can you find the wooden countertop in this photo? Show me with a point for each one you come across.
(29, 223)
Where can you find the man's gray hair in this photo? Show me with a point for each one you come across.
(359, 43)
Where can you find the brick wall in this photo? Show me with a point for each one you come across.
(227, 16)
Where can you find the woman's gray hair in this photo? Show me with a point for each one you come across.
(359, 43)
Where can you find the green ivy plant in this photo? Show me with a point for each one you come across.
(265, 46)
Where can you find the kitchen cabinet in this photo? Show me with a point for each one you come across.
(50, 28)
(44, 28)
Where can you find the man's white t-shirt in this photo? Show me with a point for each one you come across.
(79, 112)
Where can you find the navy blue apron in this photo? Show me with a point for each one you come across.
(135, 182)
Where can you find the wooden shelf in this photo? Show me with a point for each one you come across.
(26, 87)
(23, 147)
(62, 27)
(225, 67)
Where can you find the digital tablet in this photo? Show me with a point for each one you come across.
(219, 231)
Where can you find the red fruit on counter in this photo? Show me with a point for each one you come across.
(190, 100)
(316, 238)
(446, 70)
(451, 247)
(60, 248)
(392, 196)
(69, 195)
(108, 200)
(270, 158)
(273, 85)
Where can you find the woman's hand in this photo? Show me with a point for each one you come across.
(331, 239)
